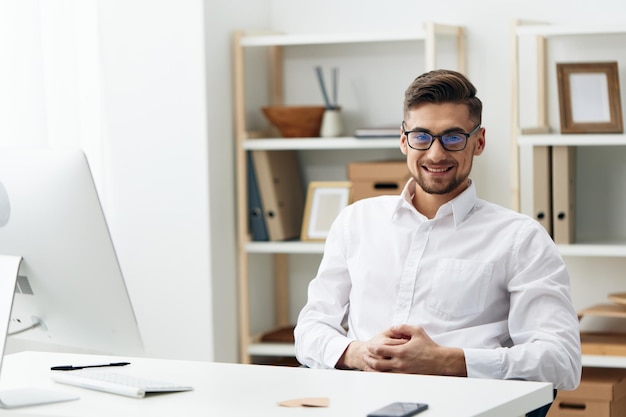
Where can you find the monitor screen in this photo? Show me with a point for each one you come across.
(70, 293)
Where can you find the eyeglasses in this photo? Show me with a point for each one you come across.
(422, 141)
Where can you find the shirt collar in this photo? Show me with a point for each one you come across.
(460, 206)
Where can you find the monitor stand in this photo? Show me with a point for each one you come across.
(9, 268)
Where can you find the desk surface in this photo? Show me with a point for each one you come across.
(254, 390)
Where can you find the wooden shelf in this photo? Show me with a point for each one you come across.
(604, 361)
(537, 38)
(426, 35)
(320, 143)
(295, 39)
(272, 349)
(251, 39)
(284, 247)
(594, 249)
(549, 30)
(558, 139)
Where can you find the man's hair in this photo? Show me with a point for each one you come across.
(443, 86)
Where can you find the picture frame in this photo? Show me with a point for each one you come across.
(589, 97)
(324, 201)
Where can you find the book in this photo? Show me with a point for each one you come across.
(378, 132)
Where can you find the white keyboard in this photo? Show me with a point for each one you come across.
(116, 383)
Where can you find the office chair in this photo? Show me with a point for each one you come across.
(543, 411)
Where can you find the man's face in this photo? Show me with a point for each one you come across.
(436, 170)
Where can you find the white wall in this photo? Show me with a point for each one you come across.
(170, 188)
(156, 152)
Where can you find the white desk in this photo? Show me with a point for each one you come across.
(254, 390)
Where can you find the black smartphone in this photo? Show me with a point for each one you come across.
(399, 409)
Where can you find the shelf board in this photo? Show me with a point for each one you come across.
(320, 143)
(604, 361)
(271, 349)
(284, 247)
(587, 139)
(250, 40)
(617, 249)
(571, 30)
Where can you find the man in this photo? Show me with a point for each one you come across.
(437, 281)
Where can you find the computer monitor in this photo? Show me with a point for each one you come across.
(70, 293)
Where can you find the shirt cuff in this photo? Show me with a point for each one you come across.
(483, 363)
(334, 350)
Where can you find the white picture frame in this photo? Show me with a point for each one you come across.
(324, 201)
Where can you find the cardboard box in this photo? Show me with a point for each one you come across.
(601, 393)
(370, 179)
(603, 343)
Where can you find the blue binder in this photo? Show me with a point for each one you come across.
(256, 222)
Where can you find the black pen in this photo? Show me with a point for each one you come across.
(73, 368)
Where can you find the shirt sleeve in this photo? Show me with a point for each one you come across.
(320, 338)
(543, 324)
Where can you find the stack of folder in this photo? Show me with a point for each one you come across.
(554, 186)
(275, 195)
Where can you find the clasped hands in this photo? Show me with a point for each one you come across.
(404, 349)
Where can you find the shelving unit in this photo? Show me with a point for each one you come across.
(248, 62)
(547, 44)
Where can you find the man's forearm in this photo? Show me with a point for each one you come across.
(351, 357)
(453, 363)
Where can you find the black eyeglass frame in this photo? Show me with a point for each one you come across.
(439, 137)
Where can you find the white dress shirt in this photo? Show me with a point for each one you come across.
(478, 276)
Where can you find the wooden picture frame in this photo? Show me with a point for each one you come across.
(589, 97)
(324, 201)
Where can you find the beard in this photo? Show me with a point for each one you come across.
(440, 186)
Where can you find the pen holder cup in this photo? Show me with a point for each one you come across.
(332, 125)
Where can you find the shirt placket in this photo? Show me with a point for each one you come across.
(404, 299)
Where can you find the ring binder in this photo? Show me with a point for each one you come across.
(282, 194)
